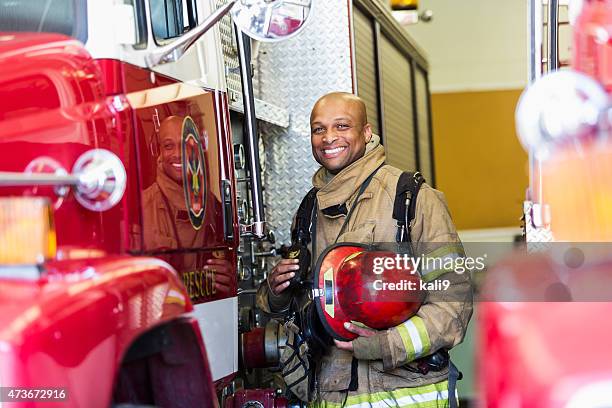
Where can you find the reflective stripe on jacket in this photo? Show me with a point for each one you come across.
(426, 396)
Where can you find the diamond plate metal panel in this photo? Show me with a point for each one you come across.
(536, 237)
(265, 111)
(230, 52)
(293, 74)
(287, 176)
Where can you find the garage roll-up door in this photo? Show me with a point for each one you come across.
(365, 64)
(397, 107)
(424, 131)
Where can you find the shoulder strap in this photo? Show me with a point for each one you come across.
(404, 206)
(301, 231)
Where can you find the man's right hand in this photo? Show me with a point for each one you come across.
(280, 277)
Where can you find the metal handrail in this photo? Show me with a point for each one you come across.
(15, 179)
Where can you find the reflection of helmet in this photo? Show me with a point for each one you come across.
(352, 285)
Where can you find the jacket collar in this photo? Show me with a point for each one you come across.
(345, 184)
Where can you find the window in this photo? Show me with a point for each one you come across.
(172, 18)
(67, 17)
(141, 22)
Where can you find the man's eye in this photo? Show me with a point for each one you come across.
(342, 126)
(317, 130)
(169, 146)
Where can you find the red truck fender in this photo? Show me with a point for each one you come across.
(69, 328)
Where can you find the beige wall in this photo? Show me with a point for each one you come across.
(480, 165)
(477, 50)
(474, 44)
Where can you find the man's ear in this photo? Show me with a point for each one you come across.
(367, 132)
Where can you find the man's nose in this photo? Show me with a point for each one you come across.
(176, 153)
(330, 136)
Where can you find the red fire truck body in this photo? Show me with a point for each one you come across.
(550, 351)
(76, 319)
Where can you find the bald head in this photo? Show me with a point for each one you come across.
(354, 103)
(171, 126)
(339, 130)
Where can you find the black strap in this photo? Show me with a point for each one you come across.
(301, 232)
(404, 209)
(404, 206)
(313, 229)
(354, 384)
(453, 376)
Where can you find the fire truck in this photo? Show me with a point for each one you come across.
(152, 156)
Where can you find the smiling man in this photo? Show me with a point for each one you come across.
(339, 131)
(355, 199)
(165, 214)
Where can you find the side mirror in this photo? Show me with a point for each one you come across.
(263, 20)
(271, 20)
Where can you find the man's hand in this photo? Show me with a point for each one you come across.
(348, 345)
(222, 272)
(279, 278)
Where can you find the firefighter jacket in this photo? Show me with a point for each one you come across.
(167, 227)
(165, 218)
(386, 367)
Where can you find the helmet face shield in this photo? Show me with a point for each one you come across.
(366, 285)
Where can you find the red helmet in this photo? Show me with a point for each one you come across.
(366, 286)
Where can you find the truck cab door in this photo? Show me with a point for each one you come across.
(183, 178)
(185, 167)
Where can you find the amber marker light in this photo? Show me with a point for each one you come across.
(404, 4)
(27, 231)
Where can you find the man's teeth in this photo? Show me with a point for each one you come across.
(332, 151)
(178, 166)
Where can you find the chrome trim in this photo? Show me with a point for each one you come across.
(25, 272)
(239, 156)
(250, 127)
(96, 173)
(101, 174)
(271, 343)
(15, 179)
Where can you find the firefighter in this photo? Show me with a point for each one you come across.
(166, 221)
(378, 365)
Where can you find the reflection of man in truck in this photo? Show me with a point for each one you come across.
(167, 225)
(166, 220)
(379, 367)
